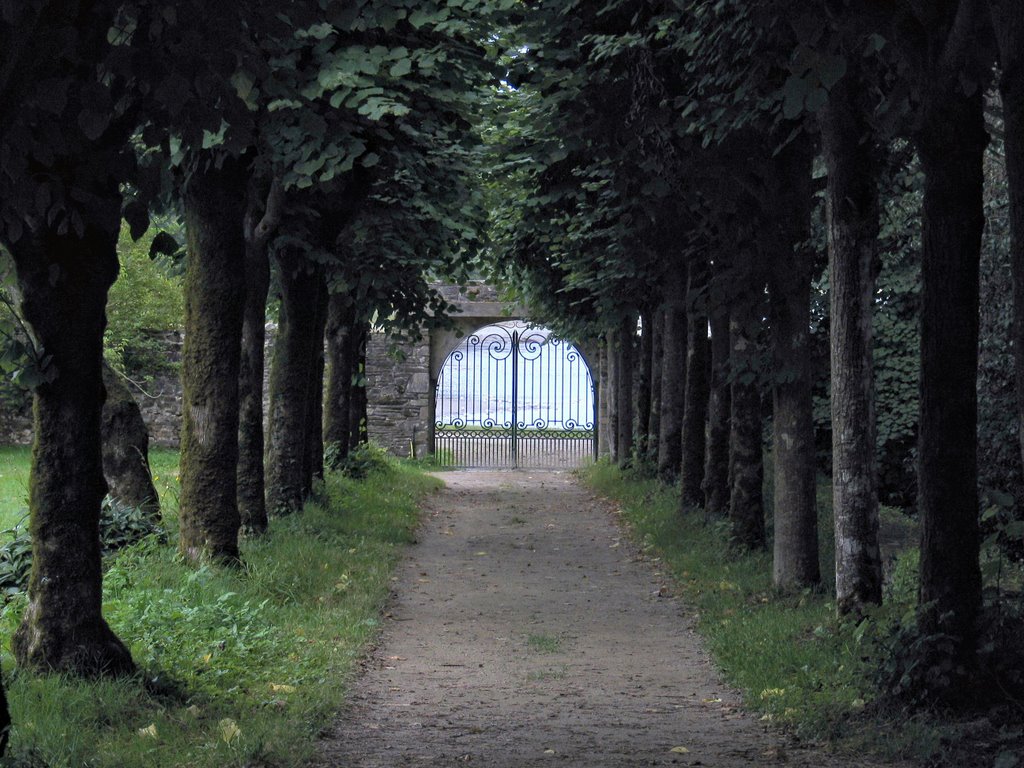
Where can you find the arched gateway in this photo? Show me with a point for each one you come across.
(410, 412)
(514, 395)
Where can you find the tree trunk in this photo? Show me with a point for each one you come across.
(604, 443)
(126, 448)
(695, 408)
(62, 284)
(214, 306)
(951, 145)
(643, 385)
(340, 321)
(5, 721)
(358, 417)
(252, 505)
(746, 452)
(852, 213)
(313, 456)
(789, 288)
(716, 460)
(673, 382)
(612, 398)
(624, 393)
(1008, 21)
(657, 362)
(291, 378)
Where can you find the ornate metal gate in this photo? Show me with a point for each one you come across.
(513, 395)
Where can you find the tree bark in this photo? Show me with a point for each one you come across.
(673, 382)
(695, 408)
(358, 416)
(214, 306)
(643, 385)
(340, 322)
(250, 483)
(5, 721)
(852, 212)
(1008, 22)
(951, 145)
(291, 379)
(313, 456)
(657, 355)
(795, 561)
(604, 447)
(612, 396)
(716, 460)
(126, 448)
(746, 451)
(624, 393)
(63, 281)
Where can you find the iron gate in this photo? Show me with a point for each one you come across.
(513, 395)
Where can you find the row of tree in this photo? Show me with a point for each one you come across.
(673, 161)
(324, 149)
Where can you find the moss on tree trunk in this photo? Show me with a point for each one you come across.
(852, 213)
(291, 378)
(63, 281)
(252, 506)
(214, 308)
(313, 456)
(126, 448)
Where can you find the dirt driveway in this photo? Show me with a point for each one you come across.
(525, 632)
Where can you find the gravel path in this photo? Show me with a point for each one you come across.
(526, 632)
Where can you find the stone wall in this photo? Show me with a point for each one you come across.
(398, 394)
(400, 379)
(160, 399)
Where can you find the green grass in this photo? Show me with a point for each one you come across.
(14, 464)
(544, 643)
(795, 662)
(237, 667)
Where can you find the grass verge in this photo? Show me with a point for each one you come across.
(237, 667)
(795, 663)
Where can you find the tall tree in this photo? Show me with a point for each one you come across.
(214, 205)
(63, 129)
(852, 162)
(695, 406)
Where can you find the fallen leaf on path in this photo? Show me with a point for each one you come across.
(680, 750)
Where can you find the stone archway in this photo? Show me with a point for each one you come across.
(400, 389)
(514, 395)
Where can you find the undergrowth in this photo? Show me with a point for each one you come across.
(795, 662)
(237, 667)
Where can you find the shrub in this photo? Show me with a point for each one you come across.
(363, 460)
(120, 526)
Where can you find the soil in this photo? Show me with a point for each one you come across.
(525, 630)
